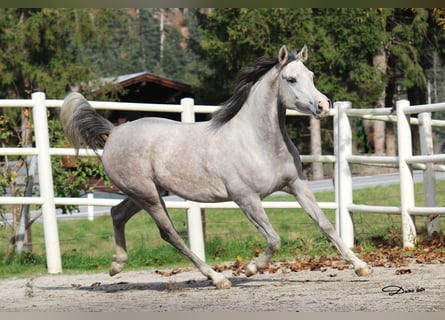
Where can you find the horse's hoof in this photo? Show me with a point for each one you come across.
(223, 284)
(115, 268)
(364, 271)
(251, 269)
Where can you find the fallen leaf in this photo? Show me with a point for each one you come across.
(402, 271)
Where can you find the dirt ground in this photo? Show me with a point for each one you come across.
(326, 290)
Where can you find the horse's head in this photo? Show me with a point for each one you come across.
(296, 85)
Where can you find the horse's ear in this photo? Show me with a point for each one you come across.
(302, 55)
(282, 55)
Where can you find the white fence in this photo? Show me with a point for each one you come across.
(342, 158)
(405, 161)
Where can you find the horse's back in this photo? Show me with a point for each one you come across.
(173, 155)
(136, 134)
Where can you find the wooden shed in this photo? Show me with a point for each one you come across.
(144, 87)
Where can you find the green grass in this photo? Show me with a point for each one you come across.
(89, 245)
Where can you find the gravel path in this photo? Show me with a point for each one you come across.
(327, 290)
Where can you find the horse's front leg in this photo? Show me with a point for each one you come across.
(254, 211)
(120, 214)
(305, 196)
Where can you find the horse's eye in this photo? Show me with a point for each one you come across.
(291, 80)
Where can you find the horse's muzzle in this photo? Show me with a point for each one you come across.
(323, 108)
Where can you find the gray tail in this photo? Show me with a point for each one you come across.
(82, 125)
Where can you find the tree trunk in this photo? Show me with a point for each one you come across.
(380, 64)
(390, 140)
(16, 217)
(317, 167)
(24, 235)
(379, 138)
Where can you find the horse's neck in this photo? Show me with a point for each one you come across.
(263, 113)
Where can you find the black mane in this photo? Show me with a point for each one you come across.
(245, 80)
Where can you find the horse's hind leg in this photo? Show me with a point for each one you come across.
(255, 213)
(306, 198)
(156, 209)
(121, 213)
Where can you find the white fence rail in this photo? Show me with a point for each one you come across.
(342, 158)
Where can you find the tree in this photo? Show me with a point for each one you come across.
(412, 34)
(368, 52)
(40, 51)
(129, 44)
(137, 44)
(229, 40)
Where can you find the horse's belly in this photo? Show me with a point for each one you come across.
(193, 186)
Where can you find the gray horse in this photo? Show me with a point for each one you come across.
(242, 154)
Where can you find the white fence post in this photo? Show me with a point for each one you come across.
(188, 114)
(343, 176)
(429, 175)
(194, 219)
(406, 175)
(52, 246)
(194, 224)
(90, 195)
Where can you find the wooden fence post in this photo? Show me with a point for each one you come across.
(194, 219)
(343, 176)
(429, 175)
(406, 176)
(52, 245)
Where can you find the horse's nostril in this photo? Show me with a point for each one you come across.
(323, 103)
(331, 105)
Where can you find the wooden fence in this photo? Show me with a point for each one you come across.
(342, 159)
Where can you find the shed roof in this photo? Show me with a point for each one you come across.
(129, 79)
(148, 87)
